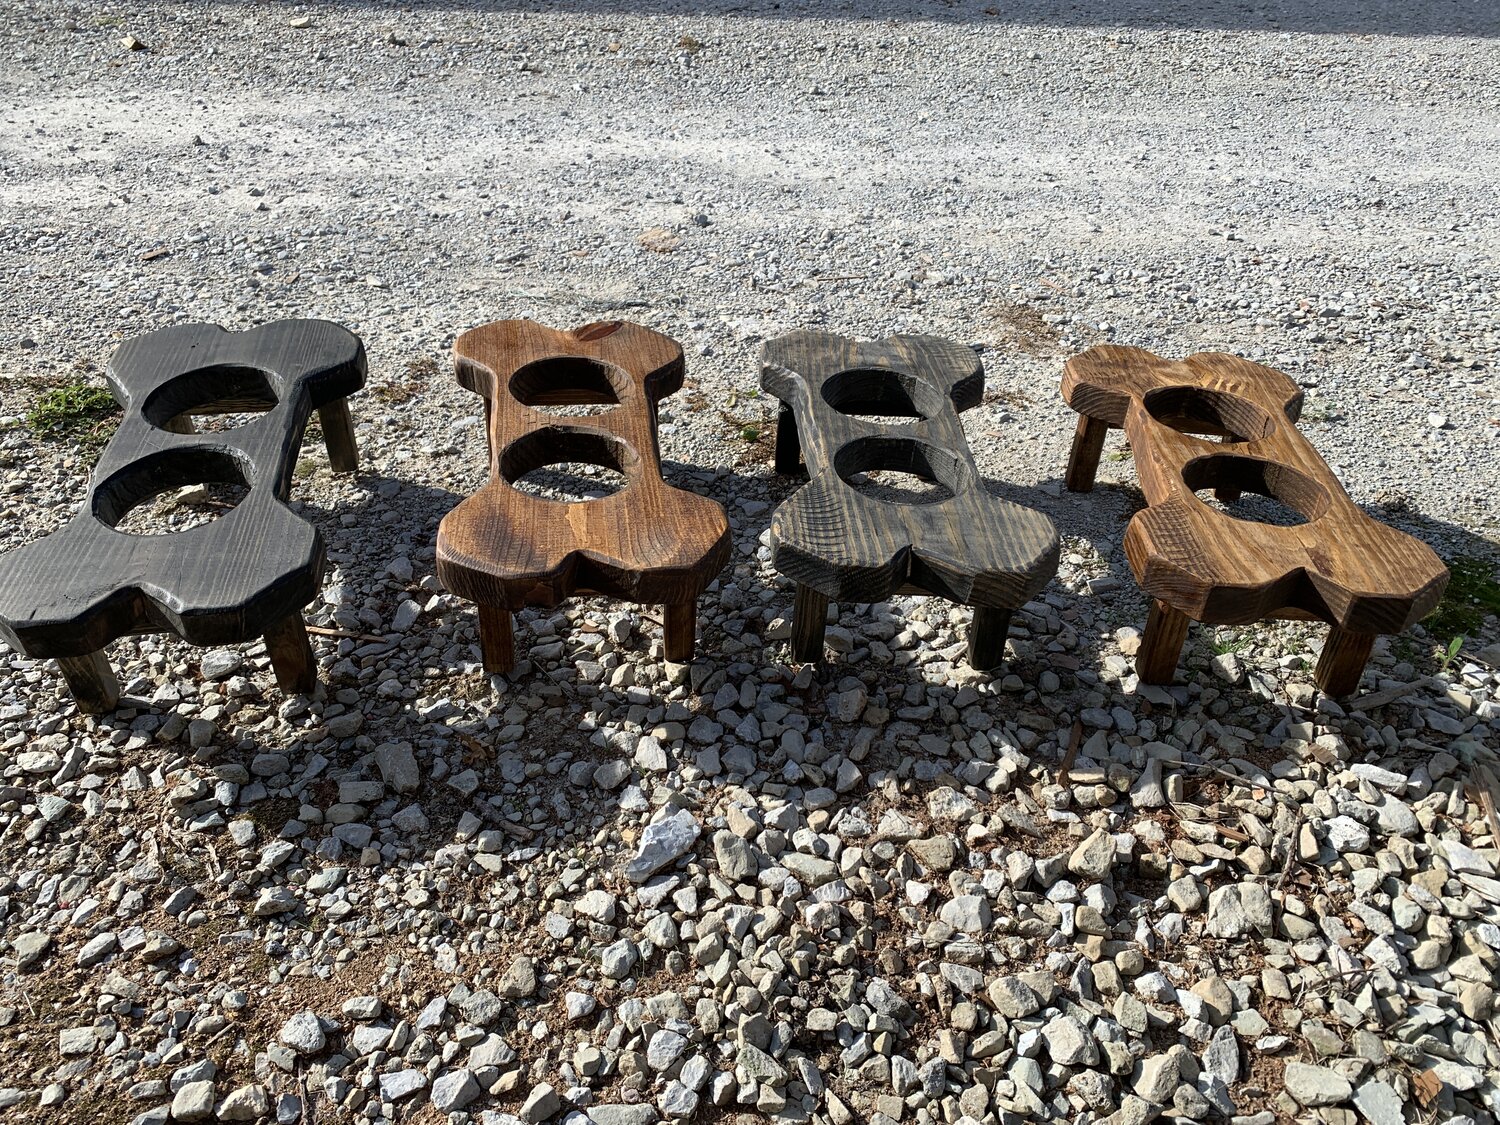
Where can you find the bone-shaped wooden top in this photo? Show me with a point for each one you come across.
(504, 548)
(245, 574)
(1222, 422)
(836, 542)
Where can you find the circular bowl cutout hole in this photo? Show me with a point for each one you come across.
(1204, 413)
(570, 386)
(211, 400)
(568, 466)
(899, 470)
(1255, 491)
(876, 394)
(171, 492)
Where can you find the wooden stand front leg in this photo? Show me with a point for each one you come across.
(809, 617)
(92, 682)
(1083, 461)
(987, 636)
(292, 656)
(1228, 494)
(338, 435)
(788, 444)
(679, 630)
(1166, 629)
(1343, 661)
(497, 639)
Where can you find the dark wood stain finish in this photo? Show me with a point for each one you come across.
(838, 543)
(647, 543)
(1216, 421)
(246, 574)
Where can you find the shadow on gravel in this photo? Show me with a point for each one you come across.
(1331, 17)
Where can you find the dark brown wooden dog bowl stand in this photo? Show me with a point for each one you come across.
(648, 543)
(837, 543)
(1215, 421)
(244, 575)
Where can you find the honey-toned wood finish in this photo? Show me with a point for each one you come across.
(1216, 421)
(244, 575)
(838, 543)
(503, 548)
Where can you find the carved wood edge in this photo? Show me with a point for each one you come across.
(837, 542)
(649, 542)
(69, 594)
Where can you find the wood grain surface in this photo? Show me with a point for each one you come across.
(224, 582)
(648, 543)
(1218, 422)
(840, 543)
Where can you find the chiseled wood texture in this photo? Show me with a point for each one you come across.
(648, 543)
(838, 543)
(1218, 421)
(225, 582)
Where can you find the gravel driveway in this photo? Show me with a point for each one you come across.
(870, 891)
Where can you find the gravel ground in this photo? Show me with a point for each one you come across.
(870, 891)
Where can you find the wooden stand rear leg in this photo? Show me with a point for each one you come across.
(292, 656)
(92, 682)
(987, 637)
(1083, 461)
(338, 435)
(679, 630)
(1161, 646)
(1228, 494)
(497, 639)
(1343, 661)
(788, 444)
(809, 617)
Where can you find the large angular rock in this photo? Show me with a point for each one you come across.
(662, 843)
(735, 856)
(968, 913)
(519, 981)
(1238, 909)
(398, 766)
(1316, 1085)
(454, 1090)
(1094, 858)
(1069, 1042)
(540, 1104)
(303, 1033)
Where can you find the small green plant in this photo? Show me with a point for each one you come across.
(750, 433)
(1451, 654)
(1472, 595)
(1226, 643)
(1119, 455)
(1315, 410)
(78, 411)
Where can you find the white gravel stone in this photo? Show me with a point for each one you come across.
(663, 842)
(303, 1033)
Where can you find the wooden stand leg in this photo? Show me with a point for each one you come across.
(788, 444)
(92, 682)
(291, 656)
(497, 639)
(1083, 461)
(1166, 629)
(1343, 661)
(1227, 495)
(338, 434)
(182, 424)
(987, 637)
(679, 630)
(809, 617)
